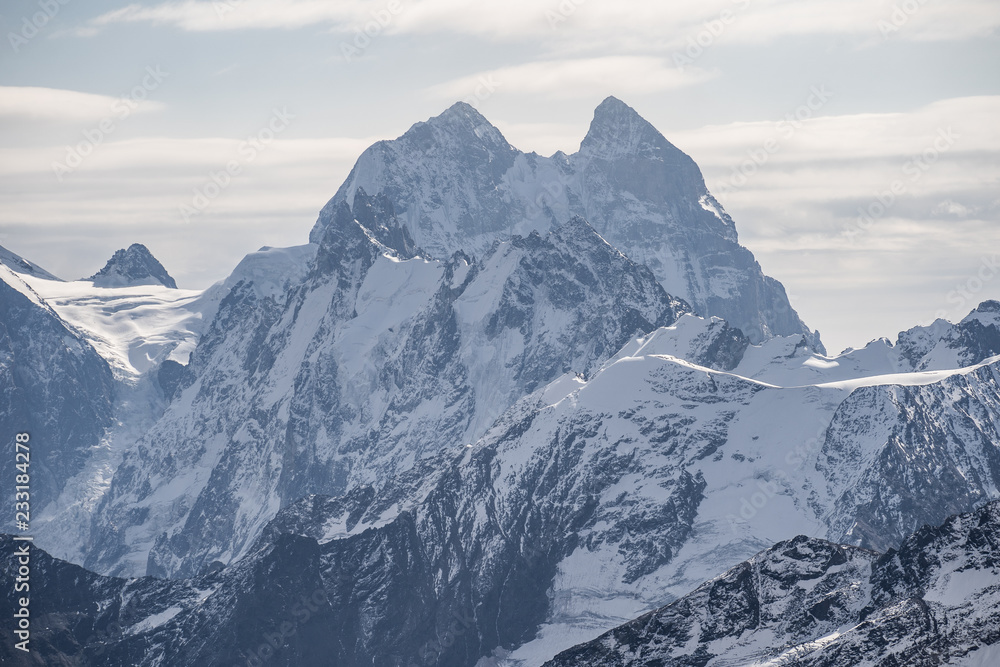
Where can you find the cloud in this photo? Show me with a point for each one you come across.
(574, 78)
(639, 24)
(200, 16)
(50, 104)
(950, 146)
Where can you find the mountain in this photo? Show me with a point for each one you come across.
(80, 375)
(365, 369)
(457, 185)
(292, 600)
(808, 602)
(52, 386)
(484, 443)
(590, 501)
(132, 266)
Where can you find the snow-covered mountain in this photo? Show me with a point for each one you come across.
(132, 266)
(594, 500)
(483, 429)
(80, 375)
(458, 185)
(366, 368)
(809, 602)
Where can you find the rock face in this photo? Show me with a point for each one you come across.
(808, 602)
(458, 185)
(366, 369)
(130, 267)
(53, 385)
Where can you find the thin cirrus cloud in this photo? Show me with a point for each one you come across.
(574, 78)
(643, 25)
(53, 104)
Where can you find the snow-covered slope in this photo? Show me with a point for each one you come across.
(808, 602)
(133, 328)
(18, 264)
(458, 185)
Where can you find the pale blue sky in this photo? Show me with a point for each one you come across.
(539, 68)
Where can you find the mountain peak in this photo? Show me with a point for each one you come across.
(132, 266)
(618, 130)
(460, 121)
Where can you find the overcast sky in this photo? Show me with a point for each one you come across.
(114, 115)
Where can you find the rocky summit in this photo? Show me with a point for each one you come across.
(132, 266)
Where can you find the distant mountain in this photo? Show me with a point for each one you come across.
(810, 603)
(458, 185)
(132, 266)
